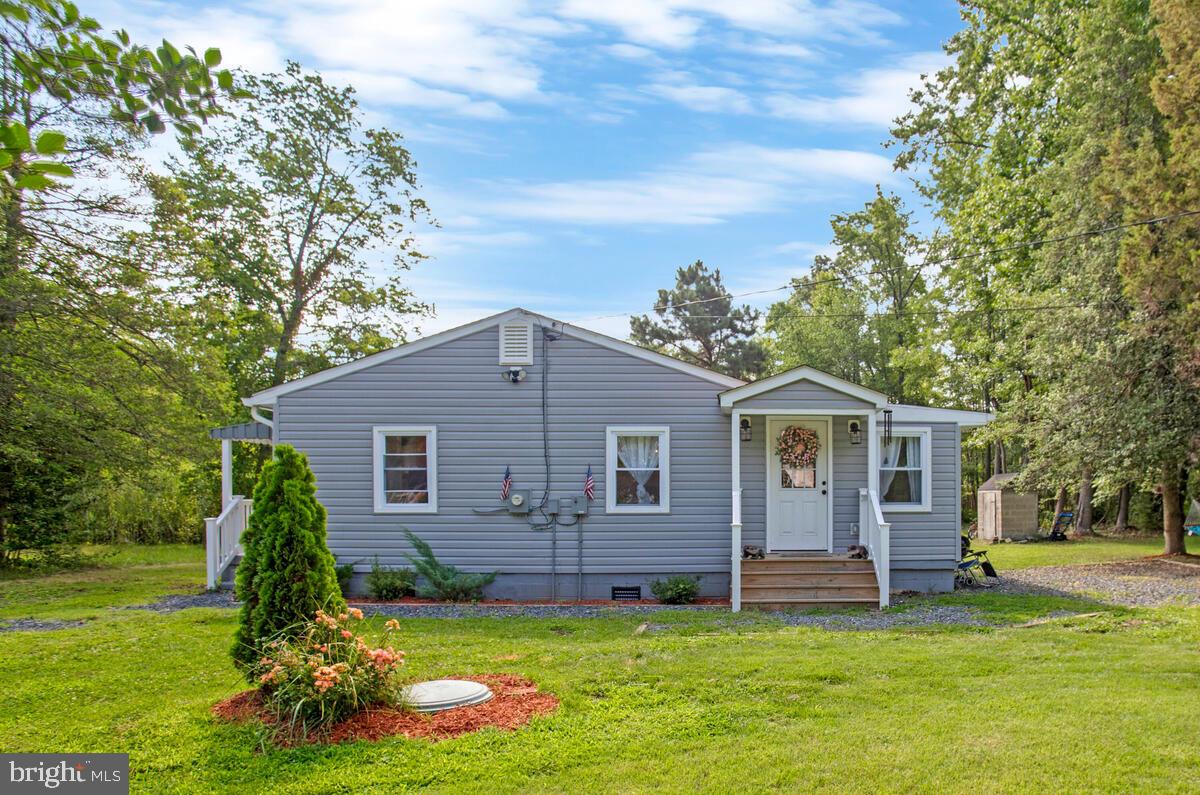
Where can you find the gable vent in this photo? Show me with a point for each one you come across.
(516, 343)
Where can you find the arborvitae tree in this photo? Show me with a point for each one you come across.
(287, 572)
(698, 324)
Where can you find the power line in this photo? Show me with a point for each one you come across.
(944, 260)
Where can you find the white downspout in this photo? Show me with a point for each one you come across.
(260, 418)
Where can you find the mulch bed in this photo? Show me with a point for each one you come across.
(515, 701)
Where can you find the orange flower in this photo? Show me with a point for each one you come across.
(392, 624)
(356, 613)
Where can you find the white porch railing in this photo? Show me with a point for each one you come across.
(875, 535)
(223, 537)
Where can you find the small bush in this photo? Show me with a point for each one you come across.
(446, 582)
(344, 573)
(679, 589)
(320, 672)
(390, 583)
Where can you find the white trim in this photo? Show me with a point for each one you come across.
(268, 396)
(863, 412)
(735, 514)
(926, 504)
(770, 455)
(904, 413)
(226, 473)
(611, 433)
(506, 354)
(732, 396)
(378, 434)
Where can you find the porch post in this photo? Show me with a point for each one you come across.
(735, 522)
(226, 473)
(872, 464)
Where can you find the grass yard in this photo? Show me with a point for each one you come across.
(1085, 550)
(711, 701)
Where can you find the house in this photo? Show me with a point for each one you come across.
(684, 462)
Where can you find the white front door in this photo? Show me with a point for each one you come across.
(798, 498)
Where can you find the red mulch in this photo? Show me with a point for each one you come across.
(515, 701)
(415, 600)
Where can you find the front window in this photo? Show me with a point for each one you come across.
(405, 469)
(637, 472)
(904, 482)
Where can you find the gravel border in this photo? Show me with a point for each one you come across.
(36, 625)
(1148, 582)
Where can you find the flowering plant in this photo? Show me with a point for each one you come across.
(798, 447)
(321, 672)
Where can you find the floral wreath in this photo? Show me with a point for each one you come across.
(798, 447)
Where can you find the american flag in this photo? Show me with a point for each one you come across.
(589, 485)
(506, 484)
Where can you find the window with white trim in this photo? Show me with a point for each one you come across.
(904, 471)
(637, 475)
(405, 469)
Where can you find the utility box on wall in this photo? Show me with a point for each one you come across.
(1004, 513)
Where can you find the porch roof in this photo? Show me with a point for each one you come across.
(730, 397)
(242, 432)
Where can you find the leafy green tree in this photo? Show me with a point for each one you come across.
(287, 573)
(697, 322)
(100, 373)
(276, 220)
(1158, 175)
(869, 306)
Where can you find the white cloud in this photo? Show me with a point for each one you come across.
(709, 187)
(707, 99)
(676, 24)
(873, 97)
(437, 243)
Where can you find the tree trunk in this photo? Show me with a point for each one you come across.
(1122, 523)
(1060, 502)
(1172, 496)
(998, 458)
(1083, 515)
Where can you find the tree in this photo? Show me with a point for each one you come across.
(699, 324)
(99, 372)
(287, 572)
(864, 315)
(1159, 176)
(277, 218)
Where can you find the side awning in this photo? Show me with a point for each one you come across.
(243, 432)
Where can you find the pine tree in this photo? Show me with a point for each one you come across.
(287, 572)
(699, 324)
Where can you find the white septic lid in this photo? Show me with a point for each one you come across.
(443, 694)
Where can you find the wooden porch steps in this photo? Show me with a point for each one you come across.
(779, 582)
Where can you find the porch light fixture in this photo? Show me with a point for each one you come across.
(744, 430)
(855, 429)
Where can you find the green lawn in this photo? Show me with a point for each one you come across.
(708, 702)
(1087, 550)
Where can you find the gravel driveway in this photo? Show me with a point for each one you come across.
(1134, 583)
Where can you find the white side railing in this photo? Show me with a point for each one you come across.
(735, 564)
(223, 537)
(875, 535)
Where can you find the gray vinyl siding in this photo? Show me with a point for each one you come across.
(485, 423)
(932, 536)
(812, 397)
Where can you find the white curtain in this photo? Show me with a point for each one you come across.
(639, 454)
(889, 454)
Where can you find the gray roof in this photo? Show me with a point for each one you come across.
(1001, 482)
(243, 430)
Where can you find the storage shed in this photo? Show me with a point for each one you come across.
(1006, 514)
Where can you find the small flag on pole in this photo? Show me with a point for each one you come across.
(589, 485)
(506, 484)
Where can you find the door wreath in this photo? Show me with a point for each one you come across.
(798, 447)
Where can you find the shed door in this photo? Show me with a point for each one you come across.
(798, 501)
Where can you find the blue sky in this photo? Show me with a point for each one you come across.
(577, 152)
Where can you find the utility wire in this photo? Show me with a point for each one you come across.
(944, 260)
